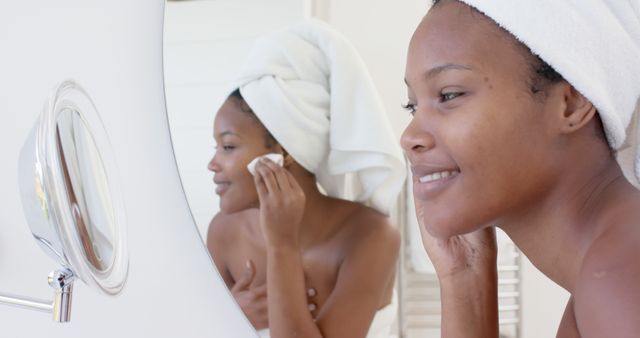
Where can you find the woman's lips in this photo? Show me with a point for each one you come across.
(433, 177)
(428, 185)
(221, 187)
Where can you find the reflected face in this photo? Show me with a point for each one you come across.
(479, 142)
(240, 138)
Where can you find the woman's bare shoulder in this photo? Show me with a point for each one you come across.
(224, 228)
(368, 227)
(607, 291)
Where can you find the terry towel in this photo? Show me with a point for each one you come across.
(595, 46)
(311, 90)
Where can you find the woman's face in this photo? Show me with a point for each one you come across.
(479, 142)
(240, 138)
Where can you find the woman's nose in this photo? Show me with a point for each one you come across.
(213, 165)
(417, 137)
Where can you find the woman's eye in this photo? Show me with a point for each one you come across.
(410, 107)
(444, 97)
(225, 147)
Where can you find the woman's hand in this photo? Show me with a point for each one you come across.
(469, 254)
(281, 204)
(252, 301)
(467, 270)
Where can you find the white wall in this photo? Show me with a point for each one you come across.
(205, 44)
(543, 303)
(114, 49)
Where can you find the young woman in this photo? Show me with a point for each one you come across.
(499, 137)
(299, 261)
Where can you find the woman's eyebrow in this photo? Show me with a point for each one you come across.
(228, 132)
(437, 70)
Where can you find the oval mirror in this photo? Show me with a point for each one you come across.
(70, 197)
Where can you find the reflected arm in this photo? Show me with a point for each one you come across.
(289, 315)
(364, 277)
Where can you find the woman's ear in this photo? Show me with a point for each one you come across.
(288, 160)
(578, 110)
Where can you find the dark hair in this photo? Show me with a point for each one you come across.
(542, 74)
(270, 141)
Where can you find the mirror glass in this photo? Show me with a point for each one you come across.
(70, 190)
(87, 189)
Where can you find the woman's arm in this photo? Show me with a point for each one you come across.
(281, 209)
(289, 315)
(467, 270)
(470, 305)
(252, 300)
(363, 277)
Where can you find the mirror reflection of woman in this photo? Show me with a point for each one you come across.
(532, 149)
(301, 262)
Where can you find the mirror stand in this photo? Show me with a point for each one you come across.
(61, 281)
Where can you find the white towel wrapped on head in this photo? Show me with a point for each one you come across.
(311, 90)
(595, 46)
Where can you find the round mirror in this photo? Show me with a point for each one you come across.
(70, 196)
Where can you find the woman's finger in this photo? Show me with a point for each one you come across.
(311, 292)
(261, 188)
(280, 174)
(268, 177)
(291, 181)
(247, 277)
(260, 291)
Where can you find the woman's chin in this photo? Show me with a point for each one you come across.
(437, 231)
(445, 230)
(234, 207)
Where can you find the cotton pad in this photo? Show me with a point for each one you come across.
(277, 158)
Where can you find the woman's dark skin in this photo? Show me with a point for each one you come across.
(535, 164)
(277, 237)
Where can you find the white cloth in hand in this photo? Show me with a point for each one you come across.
(277, 158)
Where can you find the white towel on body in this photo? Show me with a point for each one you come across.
(311, 90)
(595, 46)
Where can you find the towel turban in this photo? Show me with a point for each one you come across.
(310, 89)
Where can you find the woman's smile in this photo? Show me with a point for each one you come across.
(222, 187)
(429, 183)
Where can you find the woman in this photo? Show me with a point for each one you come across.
(503, 137)
(301, 262)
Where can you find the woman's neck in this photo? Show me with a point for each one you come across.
(316, 220)
(556, 233)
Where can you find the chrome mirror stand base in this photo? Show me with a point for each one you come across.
(61, 281)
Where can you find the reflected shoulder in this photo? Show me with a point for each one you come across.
(224, 227)
(372, 229)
